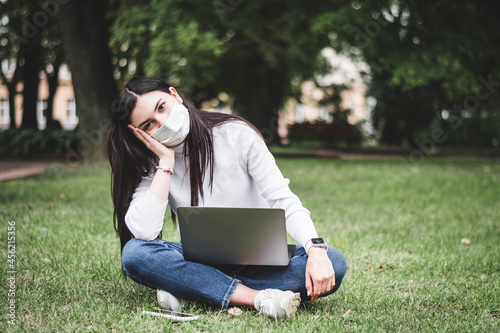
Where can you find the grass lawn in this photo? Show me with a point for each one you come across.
(421, 242)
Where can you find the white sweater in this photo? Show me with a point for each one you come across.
(245, 175)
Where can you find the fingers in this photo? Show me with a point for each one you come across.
(140, 134)
(152, 144)
(309, 286)
(143, 136)
(316, 288)
(137, 132)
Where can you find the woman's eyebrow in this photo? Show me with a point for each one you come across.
(146, 121)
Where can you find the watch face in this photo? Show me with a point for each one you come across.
(317, 241)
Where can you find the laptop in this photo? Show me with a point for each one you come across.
(234, 236)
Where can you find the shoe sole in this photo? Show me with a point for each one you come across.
(290, 305)
(165, 301)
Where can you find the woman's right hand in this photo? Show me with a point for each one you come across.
(164, 153)
(160, 186)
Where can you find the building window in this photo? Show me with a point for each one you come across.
(41, 109)
(351, 104)
(71, 117)
(325, 115)
(299, 113)
(4, 112)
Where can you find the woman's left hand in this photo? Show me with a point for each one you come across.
(320, 276)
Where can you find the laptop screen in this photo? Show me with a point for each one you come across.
(242, 236)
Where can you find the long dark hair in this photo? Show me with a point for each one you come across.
(130, 159)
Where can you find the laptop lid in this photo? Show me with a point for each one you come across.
(240, 236)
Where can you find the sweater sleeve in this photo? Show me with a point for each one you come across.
(146, 212)
(262, 167)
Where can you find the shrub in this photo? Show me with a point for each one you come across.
(36, 143)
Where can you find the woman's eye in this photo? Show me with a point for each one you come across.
(161, 107)
(147, 126)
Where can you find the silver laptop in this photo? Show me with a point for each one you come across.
(239, 236)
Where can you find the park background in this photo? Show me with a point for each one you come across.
(385, 115)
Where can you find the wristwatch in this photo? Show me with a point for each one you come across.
(319, 242)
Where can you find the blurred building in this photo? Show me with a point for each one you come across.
(64, 103)
(309, 110)
(344, 71)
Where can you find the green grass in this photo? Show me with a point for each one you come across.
(402, 229)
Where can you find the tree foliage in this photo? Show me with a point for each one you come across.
(432, 63)
(248, 49)
(29, 44)
(429, 62)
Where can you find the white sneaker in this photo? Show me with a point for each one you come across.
(277, 304)
(169, 301)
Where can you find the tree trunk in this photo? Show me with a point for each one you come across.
(85, 40)
(53, 83)
(31, 80)
(391, 133)
(261, 98)
(12, 105)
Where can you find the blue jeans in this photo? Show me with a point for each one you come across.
(160, 265)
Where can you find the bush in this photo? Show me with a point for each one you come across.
(338, 131)
(36, 143)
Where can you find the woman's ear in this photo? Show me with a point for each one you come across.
(176, 95)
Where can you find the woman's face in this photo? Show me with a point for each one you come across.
(153, 108)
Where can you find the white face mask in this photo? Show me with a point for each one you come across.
(176, 128)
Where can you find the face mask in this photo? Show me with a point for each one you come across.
(176, 128)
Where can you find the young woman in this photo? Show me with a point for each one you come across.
(163, 151)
